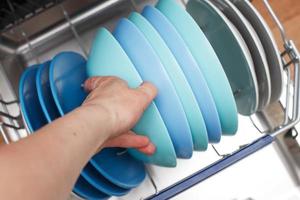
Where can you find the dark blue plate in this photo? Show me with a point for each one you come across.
(67, 74)
(29, 102)
(101, 183)
(44, 92)
(87, 191)
(119, 167)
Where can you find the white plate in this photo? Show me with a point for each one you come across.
(269, 44)
(256, 49)
(232, 51)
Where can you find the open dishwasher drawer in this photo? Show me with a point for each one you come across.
(33, 32)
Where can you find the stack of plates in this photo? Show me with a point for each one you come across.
(207, 67)
(246, 48)
(52, 89)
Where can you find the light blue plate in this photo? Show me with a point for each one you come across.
(207, 61)
(191, 70)
(183, 89)
(29, 101)
(44, 92)
(107, 58)
(150, 68)
(67, 74)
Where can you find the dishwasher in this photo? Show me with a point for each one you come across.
(32, 32)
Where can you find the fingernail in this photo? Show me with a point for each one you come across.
(145, 141)
(151, 149)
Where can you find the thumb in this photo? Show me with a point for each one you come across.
(147, 93)
(91, 83)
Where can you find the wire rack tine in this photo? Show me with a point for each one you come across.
(73, 29)
(11, 126)
(217, 152)
(277, 21)
(256, 126)
(31, 49)
(4, 114)
(183, 2)
(134, 5)
(12, 120)
(23, 33)
(296, 61)
(293, 54)
(5, 138)
(152, 181)
(8, 102)
(287, 99)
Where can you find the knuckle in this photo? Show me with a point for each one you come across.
(142, 97)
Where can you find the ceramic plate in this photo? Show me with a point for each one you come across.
(269, 44)
(34, 119)
(183, 144)
(255, 47)
(44, 92)
(233, 55)
(119, 167)
(207, 60)
(87, 191)
(102, 62)
(151, 69)
(191, 71)
(29, 101)
(101, 183)
(67, 74)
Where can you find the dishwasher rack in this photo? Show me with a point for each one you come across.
(12, 126)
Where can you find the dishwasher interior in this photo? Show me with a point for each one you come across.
(32, 32)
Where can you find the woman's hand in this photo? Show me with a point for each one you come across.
(52, 158)
(123, 106)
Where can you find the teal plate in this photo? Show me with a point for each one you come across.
(269, 44)
(256, 50)
(233, 55)
(191, 71)
(107, 58)
(207, 61)
(184, 91)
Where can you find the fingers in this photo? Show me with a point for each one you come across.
(132, 140)
(94, 82)
(149, 149)
(91, 83)
(147, 93)
(128, 140)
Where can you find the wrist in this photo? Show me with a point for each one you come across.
(95, 122)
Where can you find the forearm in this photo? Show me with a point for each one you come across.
(46, 164)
